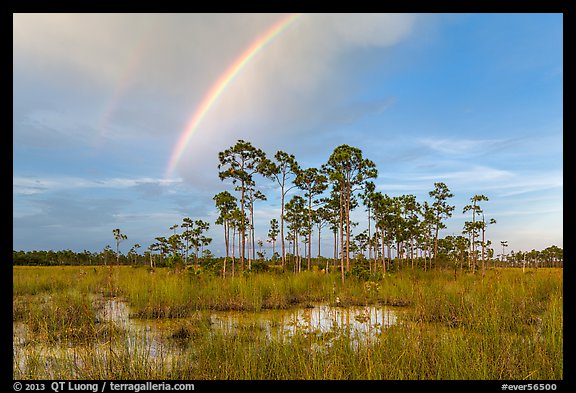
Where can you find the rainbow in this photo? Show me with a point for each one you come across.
(126, 80)
(222, 83)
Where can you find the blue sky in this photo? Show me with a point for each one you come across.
(471, 100)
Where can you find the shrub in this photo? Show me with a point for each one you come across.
(258, 267)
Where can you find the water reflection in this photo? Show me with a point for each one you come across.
(157, 341)
(360, 322)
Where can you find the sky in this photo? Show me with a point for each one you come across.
(118, 118)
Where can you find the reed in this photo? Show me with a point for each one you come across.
(506, 325)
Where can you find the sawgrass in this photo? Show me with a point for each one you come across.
(505, 325)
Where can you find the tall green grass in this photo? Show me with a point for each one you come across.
(32, 280)
(506, 325)
(164, 295)
(400, 352)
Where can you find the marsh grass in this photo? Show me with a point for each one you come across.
(32, 280)
(67, 316)
(166, 295)
(493, 305)
(506, 325)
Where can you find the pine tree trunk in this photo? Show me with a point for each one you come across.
(483, 231)
(335, 248)
(242, 240)
(425, 251)
(319, 228)
(435, 244)
(347, 230)
(382, 233)
(309, 230)
(370, 245)
(282, 229)
(342, 233)
(412, 252)
(252, 230)
(233, 249)
(226, 245)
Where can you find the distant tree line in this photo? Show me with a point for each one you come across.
(68, 257)
(549, 257)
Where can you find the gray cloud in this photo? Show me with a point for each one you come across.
(129, 84)
(165, 63)
(62, 219)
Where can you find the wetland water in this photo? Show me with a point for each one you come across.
(158, 341)
(361, 322)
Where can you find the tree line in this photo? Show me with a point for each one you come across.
(549, 257)
(400, 232)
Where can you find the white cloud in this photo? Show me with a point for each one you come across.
(527, 183)
(473, 174)
(179, 50)
(176, 58)
(402, 187)
(28, 185)
(461, 146)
